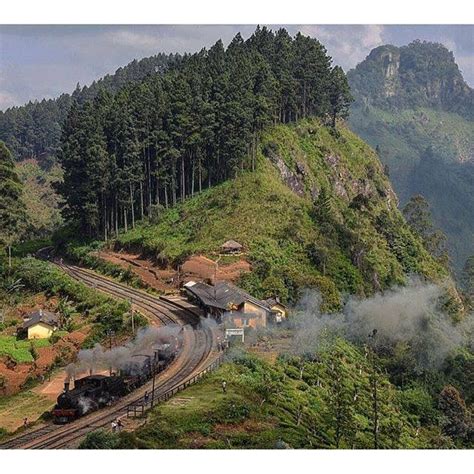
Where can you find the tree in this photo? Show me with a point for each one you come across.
(341, 404)
(418, 216)
(12, 208)
(457, 420)
(339, 95)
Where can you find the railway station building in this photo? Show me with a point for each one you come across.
(227, 303)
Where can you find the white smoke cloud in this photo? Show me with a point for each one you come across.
(409, 314)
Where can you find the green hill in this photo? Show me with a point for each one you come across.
(317, 212)
(414, 106)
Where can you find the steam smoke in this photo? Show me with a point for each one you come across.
(85, 404)
(146, 342)
(408, 314)
(208, 323)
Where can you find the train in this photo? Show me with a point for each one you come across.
(96, 391)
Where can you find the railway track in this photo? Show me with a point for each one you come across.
(194, 357)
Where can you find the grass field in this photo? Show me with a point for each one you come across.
(20, 349)
(15, 408)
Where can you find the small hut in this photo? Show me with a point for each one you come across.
(231, 247)
(40, 324)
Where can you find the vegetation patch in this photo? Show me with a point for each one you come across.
(21, 350)
(322, 401)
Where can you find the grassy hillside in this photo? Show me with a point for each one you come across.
(41, 200)
(317, 212)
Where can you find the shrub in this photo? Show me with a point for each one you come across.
(100, 439)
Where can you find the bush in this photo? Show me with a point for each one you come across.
(418, 402)
(100, 439)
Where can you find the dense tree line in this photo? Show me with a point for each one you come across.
(158, 141)
(12, 208)
(34, 130)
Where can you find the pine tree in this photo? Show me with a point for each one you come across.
(467, 278)
(160, 139)
(418, 216)
(12, 208)
(339, 95)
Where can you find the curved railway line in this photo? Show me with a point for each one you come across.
(194, 358)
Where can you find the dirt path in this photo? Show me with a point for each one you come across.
(197, 267)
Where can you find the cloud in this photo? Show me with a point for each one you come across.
(347, 44)
(134, 40)
(39, 61)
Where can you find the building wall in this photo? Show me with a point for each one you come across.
(253, 308)
(249, 321)
(279, 309)
(40, 331)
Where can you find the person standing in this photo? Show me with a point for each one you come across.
(224, 386)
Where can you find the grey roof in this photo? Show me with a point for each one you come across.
(41, 316)
(273, 301)
(231, 244)
(222, 294)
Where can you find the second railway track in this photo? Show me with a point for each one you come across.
(196, 351)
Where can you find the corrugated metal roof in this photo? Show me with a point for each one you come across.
(41, 316)
(222, 295)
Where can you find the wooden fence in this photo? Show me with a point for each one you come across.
(139, 408)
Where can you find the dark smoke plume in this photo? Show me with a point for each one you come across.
(145, 342)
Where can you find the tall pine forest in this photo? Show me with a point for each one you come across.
(156, 142)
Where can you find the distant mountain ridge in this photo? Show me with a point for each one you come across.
(413, 105)
(421, 74)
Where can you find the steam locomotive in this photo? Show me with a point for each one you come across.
(96, 391)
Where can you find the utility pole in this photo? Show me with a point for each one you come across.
(156, 360)
(133, 315)
(110, 333)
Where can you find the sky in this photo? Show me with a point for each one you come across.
(44, 61)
